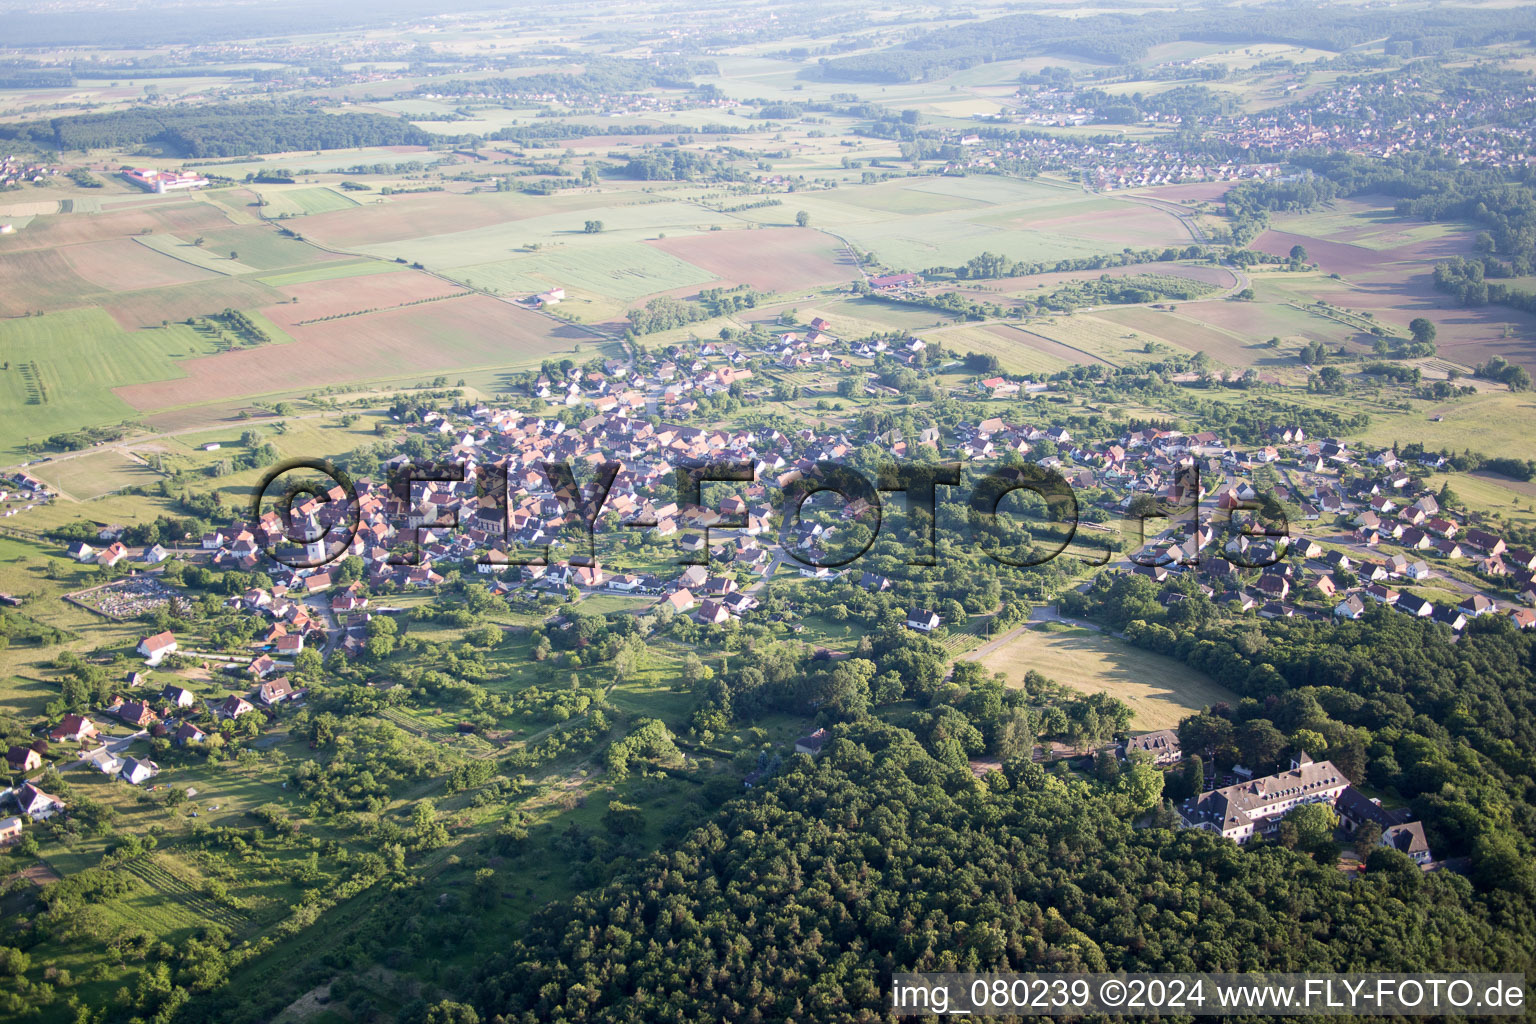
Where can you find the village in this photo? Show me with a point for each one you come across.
(1189, 503)
(1376, 117)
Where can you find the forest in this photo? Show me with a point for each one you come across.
(218, 131)
(797, 903)
(1391, 699)
(1125, 38)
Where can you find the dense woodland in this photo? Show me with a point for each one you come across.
(1125, 38)
(1391, 699)
(218, 131)
(798, 904)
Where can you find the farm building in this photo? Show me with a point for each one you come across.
(151, 180)
(155, 648)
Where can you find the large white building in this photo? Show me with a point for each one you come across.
(1240, 812)
(162, 182)
(1257, 806)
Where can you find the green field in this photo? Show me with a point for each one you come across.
(218, 261)
(1012, 348)
(63, 366)
(624, 219)
(332, 271)
(944, 221)
(1360, 223)
(622, 271)
(260, 246)
(1158, 690)
(1481, 422)
(1101, 339)
(90, 476)
(299, 202)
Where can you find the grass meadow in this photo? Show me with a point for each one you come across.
(1158, 690)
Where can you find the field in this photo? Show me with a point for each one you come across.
(1017, 349)
(343, 267)
(946, 221)
(506, 229)
(299, 202)
(198, 256)
(1367, 221)
(150, 307)
(90, 476)
(40, 280)
(1158, 690)
(62, 368)
(404, 217)
(456, 333)
(1039, 284)
(172, 215)
(599, 281)
(263, 248)
(1189, 328)
(1093, 337)
(122, 265)
(392, 286)
(1393, 280)
(779, 260)
(1480, 422)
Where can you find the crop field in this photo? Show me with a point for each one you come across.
(184, 216)
(122, 265)
(1273, 315)
(491, 241)
(1158, 690)
(261, 247)
(198, 256)
(299, 202)
(63, 367)
(1397, 285)
(28, 208)
(1107, 221)
(1017, 349)
(1189, 327)
(1367, 221)
(40, 280)
(938, 239)
(90, 476)
(148, 308)
(418, 215)
(619, 272)
(768, 260)
(393, 287)
(332, 160)
(330, 271)
(946, 221)
(1093, 336)
(456, 333)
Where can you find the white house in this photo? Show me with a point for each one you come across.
(103, 760)
(923, 620)
(155, 648)
(37, 804)
(136, 771)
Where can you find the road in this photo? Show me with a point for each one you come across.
(773, 567)
(146, 439)
(117, 746)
